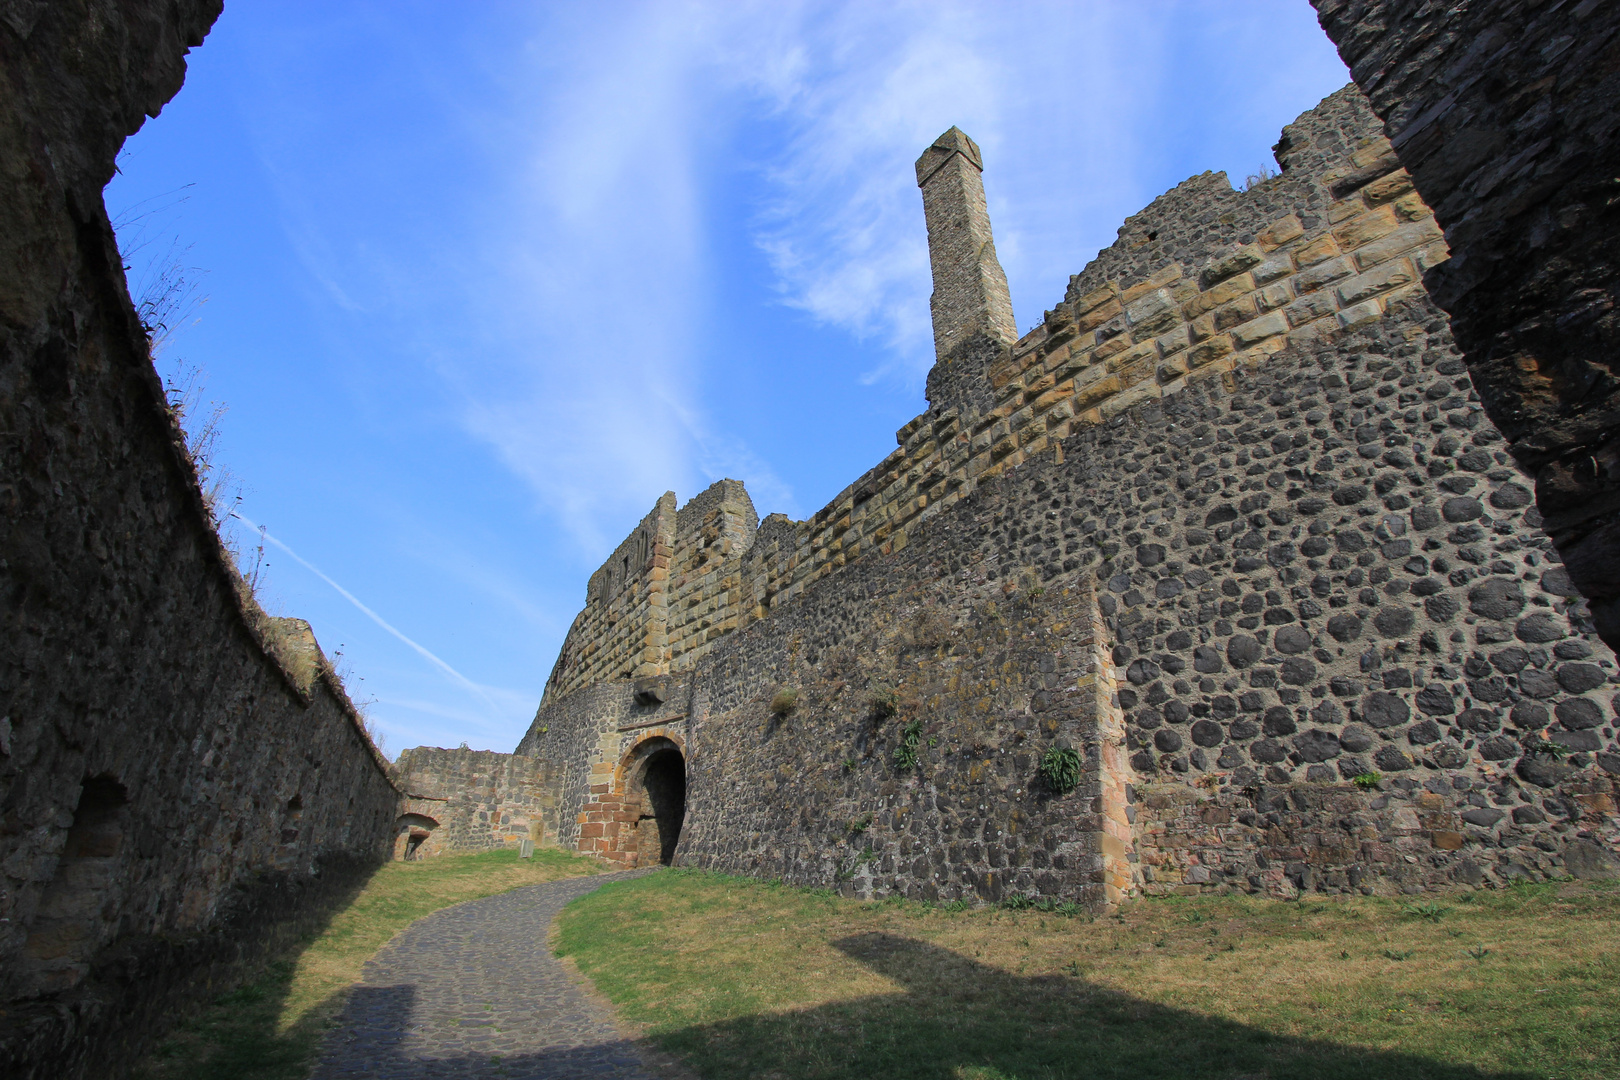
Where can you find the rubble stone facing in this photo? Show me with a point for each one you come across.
(1236, 529)
(470, 800)
(178, 773)
(1504, 113)
(1202, 282)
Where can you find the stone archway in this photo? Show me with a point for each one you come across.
(413, 836)
(655, 790)
(663, 805)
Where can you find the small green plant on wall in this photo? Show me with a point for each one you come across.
(885, 701)
(905, 755)
(785, 701)
(1060, 768)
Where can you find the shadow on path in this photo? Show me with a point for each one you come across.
(473, 991)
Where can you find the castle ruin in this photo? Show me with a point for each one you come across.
(1240, 540)
(1230, 525)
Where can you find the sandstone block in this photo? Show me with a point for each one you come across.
(1174, 341)
(1273, 296)
(1238, 311)
(1257, 330)
(1099, 389)
(1323, 247)
(1098, 315)
(1322, 274)
(1209, 350)
(1144, 391)
(1235, 263)
(1280, 232)
(1412, 208)
(1366, 311)
(1365, 228)
(1278, 266)
(1159, 280)
(1225, 292)
(1388, 276)
(1398, 242)
(1388, 188)
(1152, 314)
(1095, 298)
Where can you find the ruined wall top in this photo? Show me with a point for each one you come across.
(971, 306)
(1203, 283)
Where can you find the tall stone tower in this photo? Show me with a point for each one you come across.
(972, 309)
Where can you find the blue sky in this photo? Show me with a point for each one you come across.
(477, 283)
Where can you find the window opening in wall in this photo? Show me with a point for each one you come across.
(412, 831)
(77, 914)
(663, 780)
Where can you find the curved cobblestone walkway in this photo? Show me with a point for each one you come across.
(472, 992)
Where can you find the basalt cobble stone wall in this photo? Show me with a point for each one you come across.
(589, 739)
(178, 773)
(1504, 112)
(1236, 529)
(1203, 281)
(470, 800)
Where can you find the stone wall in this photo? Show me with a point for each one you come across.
(470, 800)
(1200, 283)
(177, 771)
(1235, 528)
(1504, 112)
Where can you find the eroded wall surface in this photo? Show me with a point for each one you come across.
(1236, 527)
(169, 784)
(470, 800)
(1504, 112)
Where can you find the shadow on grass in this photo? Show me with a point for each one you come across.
(956, 1019)
(960, 1018)
(237, 1029)
(234, 1031)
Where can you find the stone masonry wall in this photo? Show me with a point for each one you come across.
(1203, 281)
(1346, 655)
(1504, 111)
(471, 800)
(177, 771)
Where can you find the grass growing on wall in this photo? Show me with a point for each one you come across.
(269, 1026)
(748, 979)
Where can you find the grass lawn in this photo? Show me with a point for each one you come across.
(269, 1026)
(747, 979)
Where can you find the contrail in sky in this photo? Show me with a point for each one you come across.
(455, 675)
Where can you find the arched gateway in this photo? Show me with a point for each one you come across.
(635, 819)
(654, 782)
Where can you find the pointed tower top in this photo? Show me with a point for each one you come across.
(954, 141)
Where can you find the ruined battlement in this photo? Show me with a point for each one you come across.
(1203, 282)
(1230, 526)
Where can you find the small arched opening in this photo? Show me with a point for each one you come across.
(77, 913)
(411, 833)
(659, 778)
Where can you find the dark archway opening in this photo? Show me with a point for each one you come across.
(664, 781)
(74, 917)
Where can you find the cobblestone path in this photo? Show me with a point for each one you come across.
(472, 992)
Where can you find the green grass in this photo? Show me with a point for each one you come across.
(268, 1026)
(747, 979)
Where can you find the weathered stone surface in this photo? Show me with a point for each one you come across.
(1502, 112)
(178, 771)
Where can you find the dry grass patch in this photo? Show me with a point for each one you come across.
(749, 979)
(268, 1027)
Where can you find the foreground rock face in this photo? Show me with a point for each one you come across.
(177, 771)
(1231, 525)
(1506, 114)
